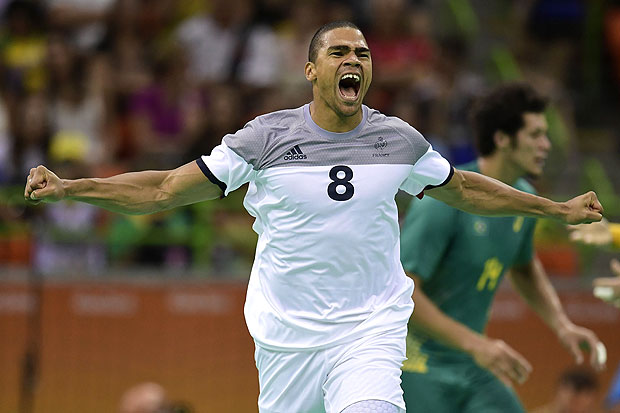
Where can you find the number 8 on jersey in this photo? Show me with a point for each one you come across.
(332, 188)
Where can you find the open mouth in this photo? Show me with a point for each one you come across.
(541, 160)
(349, 86)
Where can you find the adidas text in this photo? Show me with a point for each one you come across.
(289, 157)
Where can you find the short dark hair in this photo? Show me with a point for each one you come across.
(317, 39)
(502, 109)
(579, 379)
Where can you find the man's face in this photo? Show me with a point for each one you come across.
(342, 72)
(532, 145)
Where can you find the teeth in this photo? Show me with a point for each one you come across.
(351, 76)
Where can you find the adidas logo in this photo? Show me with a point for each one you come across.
(294, 153)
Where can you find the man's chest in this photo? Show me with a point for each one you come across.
(331, 187)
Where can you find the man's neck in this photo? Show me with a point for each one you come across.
(327, 119)
(495, 167)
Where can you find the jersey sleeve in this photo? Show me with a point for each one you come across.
(232, 163)
(526, 251)
(426, 234)
(430, 171)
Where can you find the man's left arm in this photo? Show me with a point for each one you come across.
(482, 195)
(531, 281)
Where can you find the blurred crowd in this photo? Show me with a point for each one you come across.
(98, 87)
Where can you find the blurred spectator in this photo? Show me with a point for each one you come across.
(443, 97)
(31, 135)
(165, 115)
(77, 113)
(84, 18)
(295, 34)
(22, 51)
(123, 64)
(224, 44)
(576, 392)
(401, 46)
(221, 116)
(22, 46)
(124, 48)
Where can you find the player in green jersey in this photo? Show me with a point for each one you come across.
(458, 260)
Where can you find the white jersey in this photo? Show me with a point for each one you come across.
(327, 267)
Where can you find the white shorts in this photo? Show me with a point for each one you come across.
(329, 380)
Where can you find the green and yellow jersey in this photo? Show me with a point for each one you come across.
(461, 259)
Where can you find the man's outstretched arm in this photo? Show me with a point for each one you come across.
(482, 195)
(129, 193)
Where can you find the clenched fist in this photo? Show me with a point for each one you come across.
(583, 209)
(43, 185)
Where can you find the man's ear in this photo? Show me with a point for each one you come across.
(310, 71)
(501, 140)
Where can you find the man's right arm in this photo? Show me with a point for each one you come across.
(479, 194)
(492, 354)
(129, 193)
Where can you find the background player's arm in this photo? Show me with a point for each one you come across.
(479, 194)
(531, 281)
(608, 288)
(600, 234)
(493, 354)
(130, 193)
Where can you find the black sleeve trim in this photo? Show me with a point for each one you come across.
(205, 170)
(427, 187)
(450, 175)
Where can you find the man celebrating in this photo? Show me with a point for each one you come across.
(328, 301)
(458, 260)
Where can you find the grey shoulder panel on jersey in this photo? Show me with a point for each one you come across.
(283, 138)
(259, 136)
(419, 145)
